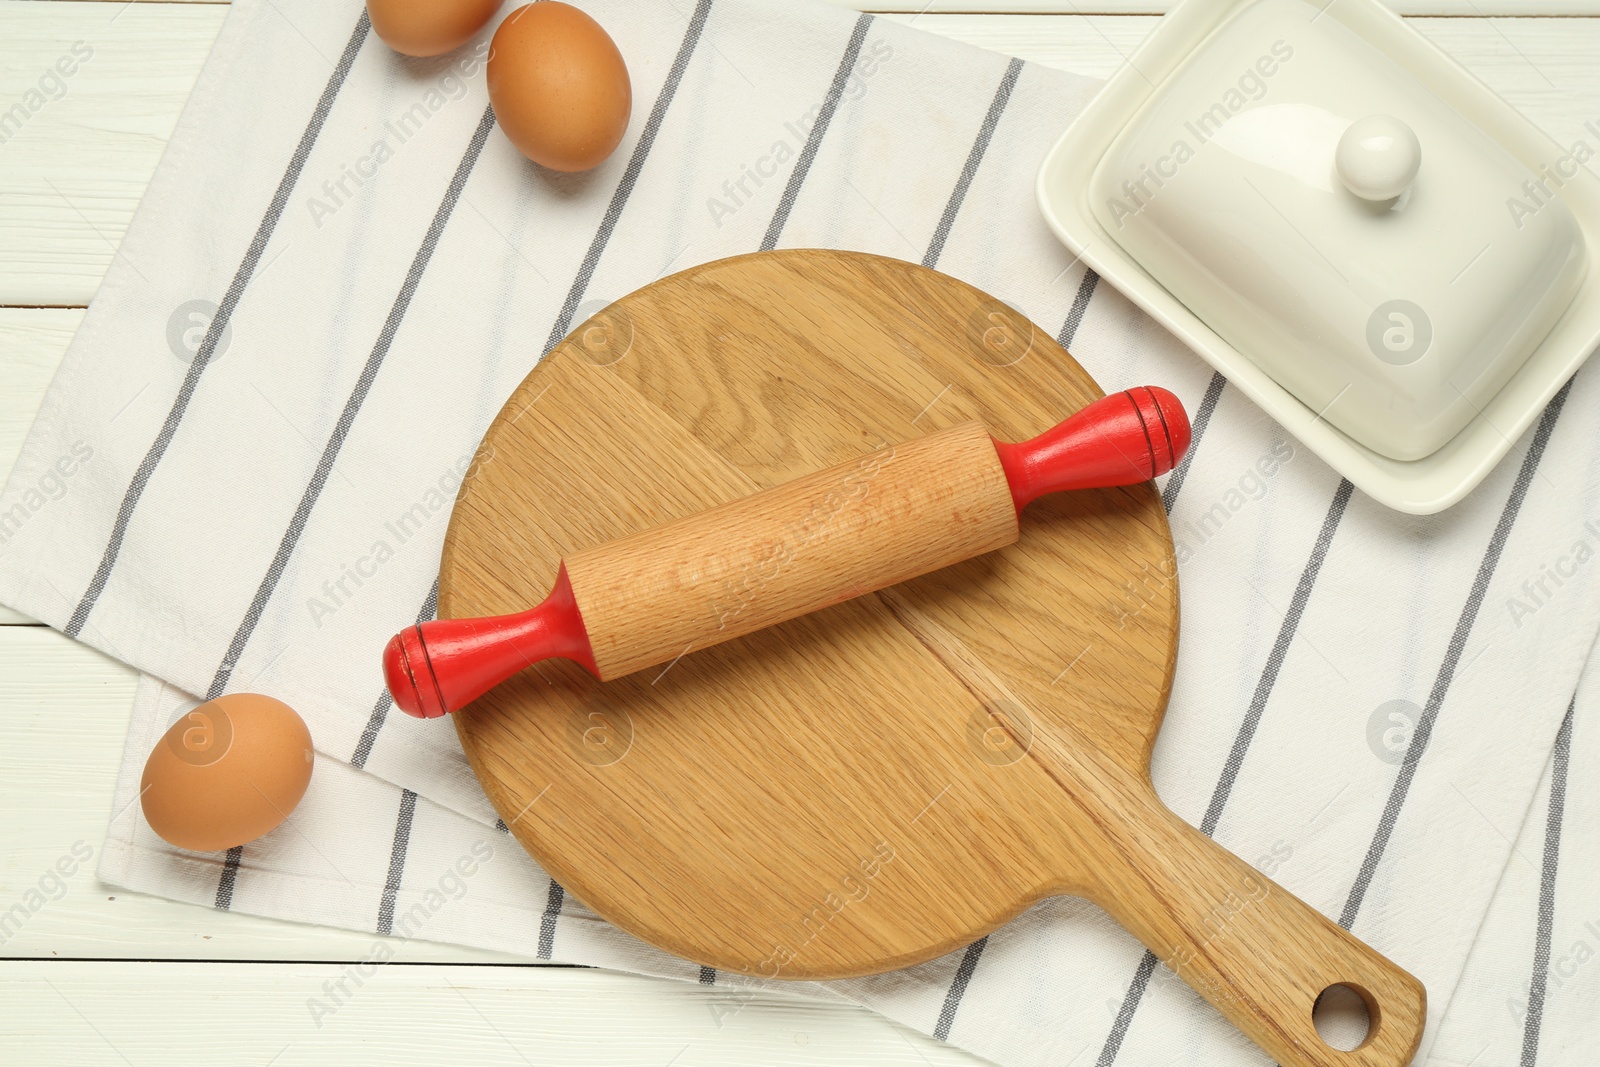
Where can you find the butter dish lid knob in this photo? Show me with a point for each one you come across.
(1378, 157)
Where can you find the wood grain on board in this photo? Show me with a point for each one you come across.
(878, 783)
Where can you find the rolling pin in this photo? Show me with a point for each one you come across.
(854, 528)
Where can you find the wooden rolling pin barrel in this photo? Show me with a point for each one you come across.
(851, 529)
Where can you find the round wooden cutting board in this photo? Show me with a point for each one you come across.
(884, 781)
(739, 789)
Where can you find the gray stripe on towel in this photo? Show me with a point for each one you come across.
(1197, 430)
(1452, 659)
(547, 921)
(380, 709)
(830, 104)
(1241, 744)
(291, 536)
(1130, 1004)
(352, 407)
(630, 177)
(958, 988)
(997, 107)
(397, 861)
(1538, 985)
(219, 323)
(229, 878)
(1080, 307)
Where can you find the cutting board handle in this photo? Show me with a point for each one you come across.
(1254, 950)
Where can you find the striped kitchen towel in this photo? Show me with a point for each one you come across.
(241, 477)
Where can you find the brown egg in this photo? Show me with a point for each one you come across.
(227, 772)
(429, 27)
(559, 87)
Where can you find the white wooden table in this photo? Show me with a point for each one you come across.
(104, 976)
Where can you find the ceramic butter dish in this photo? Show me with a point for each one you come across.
(1353, 230)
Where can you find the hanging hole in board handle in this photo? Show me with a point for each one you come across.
(1345, 1016)
(1261, 956)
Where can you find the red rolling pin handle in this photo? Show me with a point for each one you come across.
(1122, 439)
(440, 666)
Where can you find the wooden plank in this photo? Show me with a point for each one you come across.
(73, 168)
(203, 1013)
(1543, 67)
(1094, 45)
(32, 342)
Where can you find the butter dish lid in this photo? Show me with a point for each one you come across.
(1353, 230)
